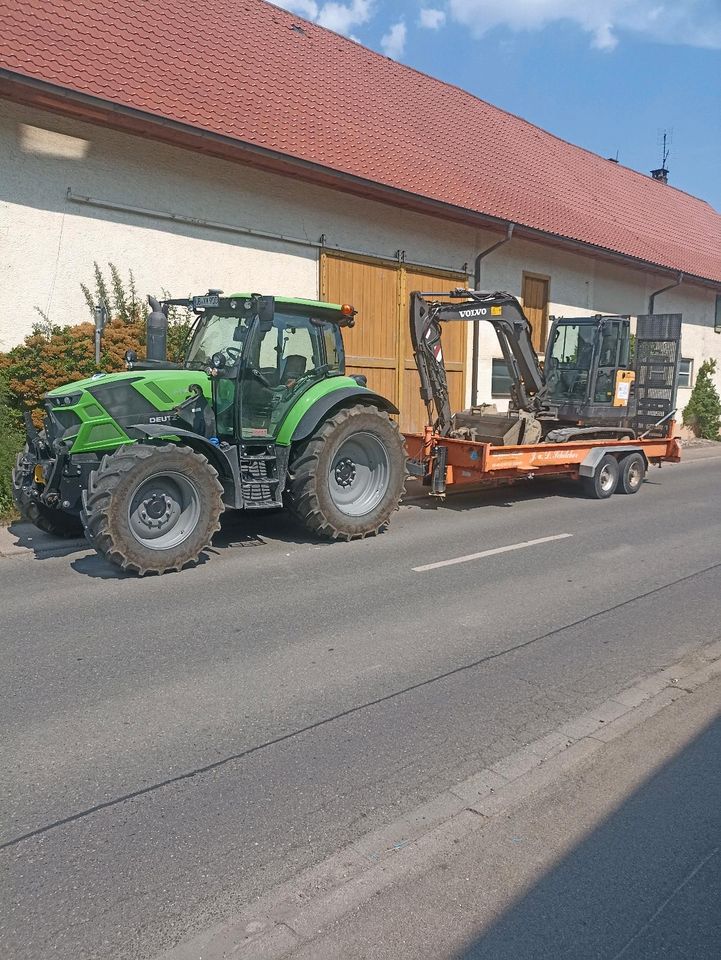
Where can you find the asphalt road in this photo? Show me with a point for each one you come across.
(173, 747)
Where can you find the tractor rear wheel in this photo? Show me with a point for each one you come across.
(348, 478)
(152, 509)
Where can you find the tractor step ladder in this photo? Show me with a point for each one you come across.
(259, 476)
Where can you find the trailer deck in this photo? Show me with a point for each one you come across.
(446, 462)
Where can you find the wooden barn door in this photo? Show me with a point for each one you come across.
(535, 306)
(371, 346)
(379, 344)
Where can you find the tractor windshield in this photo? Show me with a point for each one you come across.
(217, 333)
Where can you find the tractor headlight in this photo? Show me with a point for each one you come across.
(67, 400)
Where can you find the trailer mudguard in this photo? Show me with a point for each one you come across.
(595, 455)
(329, 401)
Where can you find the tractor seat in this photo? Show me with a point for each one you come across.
(293, 367)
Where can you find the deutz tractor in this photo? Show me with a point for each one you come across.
(259, 415)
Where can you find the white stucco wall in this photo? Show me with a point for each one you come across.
(48, 243)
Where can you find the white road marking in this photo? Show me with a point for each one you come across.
(490, 553)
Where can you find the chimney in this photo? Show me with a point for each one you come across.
(661, 175)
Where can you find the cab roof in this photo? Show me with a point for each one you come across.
(291, 301)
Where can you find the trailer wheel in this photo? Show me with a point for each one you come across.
(604, 481)
(633, 473)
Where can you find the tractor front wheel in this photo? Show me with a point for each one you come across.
(152, 509)
(348, 478)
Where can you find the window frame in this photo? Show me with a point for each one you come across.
(494, 394)
(690, 362)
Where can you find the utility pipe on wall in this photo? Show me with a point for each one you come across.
(652, 298)
(477, 323)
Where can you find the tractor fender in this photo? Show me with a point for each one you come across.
(596, 454)
(224, 461)
(331, 401)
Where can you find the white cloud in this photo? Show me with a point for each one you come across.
(432, 19)
(691, 22)
(393, 43)
(306, 8)
(341, 17)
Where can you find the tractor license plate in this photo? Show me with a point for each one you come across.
(209, 300)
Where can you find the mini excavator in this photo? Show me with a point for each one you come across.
(590, 386)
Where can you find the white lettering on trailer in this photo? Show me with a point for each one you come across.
(491, 553)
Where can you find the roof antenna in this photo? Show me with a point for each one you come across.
(665, 140)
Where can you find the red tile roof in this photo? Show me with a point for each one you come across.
(252, 72)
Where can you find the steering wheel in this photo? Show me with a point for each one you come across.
(234, 353)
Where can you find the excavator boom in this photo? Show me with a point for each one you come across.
(505, 314)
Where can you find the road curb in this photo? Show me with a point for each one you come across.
(295, 913)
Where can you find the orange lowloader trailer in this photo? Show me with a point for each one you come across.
(598, 410)
(603, 466)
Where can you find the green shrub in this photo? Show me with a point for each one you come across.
(53, 355)
(703, 411)
(12, 439)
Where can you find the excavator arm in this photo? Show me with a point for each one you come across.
(505, 314)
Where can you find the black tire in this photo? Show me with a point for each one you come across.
(604, 481)
(48, 519)
(152, 509)
(348, 478)
(633, 473)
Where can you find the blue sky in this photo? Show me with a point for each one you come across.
(608, 75)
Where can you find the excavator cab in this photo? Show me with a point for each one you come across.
(587, 368)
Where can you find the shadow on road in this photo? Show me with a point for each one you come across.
(644, 885)
(476, 496)
(239, 531)
(45, 545)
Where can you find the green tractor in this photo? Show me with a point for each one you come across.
(259, 415)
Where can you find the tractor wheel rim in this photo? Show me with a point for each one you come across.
(164, 511)
(359, 474)
(606, 479)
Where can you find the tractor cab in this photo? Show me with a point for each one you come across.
(263, 354)
(588, 368)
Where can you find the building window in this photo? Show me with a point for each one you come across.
(685, 374)
(500, 379)
(717, 315)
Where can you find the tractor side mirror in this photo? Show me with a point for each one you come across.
(266, 310)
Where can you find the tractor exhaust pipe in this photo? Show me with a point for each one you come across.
(156, 345)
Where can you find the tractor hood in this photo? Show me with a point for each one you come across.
(172, 378)
(94, 414)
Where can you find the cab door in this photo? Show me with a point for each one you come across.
(284, 359)
(613, 355)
